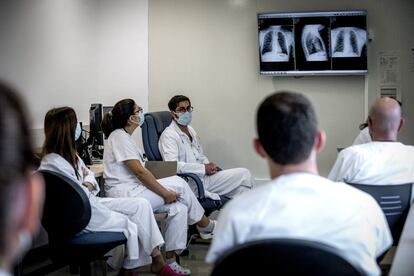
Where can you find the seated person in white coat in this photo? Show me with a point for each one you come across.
(21, 193)
(133, 217)
(363, 136)
(384, 161)
(125, 176)
(298, 203)
(179, 142)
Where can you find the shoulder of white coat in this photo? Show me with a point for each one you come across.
(252, 199)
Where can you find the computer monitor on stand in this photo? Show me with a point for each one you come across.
(96, 139)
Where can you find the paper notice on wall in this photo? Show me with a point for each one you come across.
(388, 68)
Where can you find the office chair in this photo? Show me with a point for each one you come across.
(394, 201)
(284, 257)
(66, 213)
(154, 125)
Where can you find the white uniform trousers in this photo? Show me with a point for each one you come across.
(187, 210)
(140, 213)
(230, 183)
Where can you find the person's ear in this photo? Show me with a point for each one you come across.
(173, 115)
(259, 148)
(402, 122)
(320, 140)
(33, 206)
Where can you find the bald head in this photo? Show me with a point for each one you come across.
(385, 119)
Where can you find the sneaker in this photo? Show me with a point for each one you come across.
(166, 270)
(179, 269)
(205, 235)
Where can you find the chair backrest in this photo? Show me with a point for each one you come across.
(284, 257)
(154, 125)
(67, 210)
(394, 201)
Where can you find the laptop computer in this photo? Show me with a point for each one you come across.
(162, 169)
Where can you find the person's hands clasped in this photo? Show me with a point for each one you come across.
(210, 168)
(170, 197)
(89, 185)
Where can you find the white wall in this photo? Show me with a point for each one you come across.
(74, 52)
(207, 50)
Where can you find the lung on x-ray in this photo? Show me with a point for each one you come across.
(314, 48)
(313, 43)
(348, 41)
(276, 44)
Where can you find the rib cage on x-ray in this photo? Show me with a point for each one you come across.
(275, 44)
(348, 41)
(312, 43)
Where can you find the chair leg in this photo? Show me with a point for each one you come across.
(104, 267)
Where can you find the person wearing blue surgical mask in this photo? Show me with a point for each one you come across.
(180, 142)
(78, 131)
(126, 176)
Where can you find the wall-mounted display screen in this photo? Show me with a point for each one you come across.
(313, 43)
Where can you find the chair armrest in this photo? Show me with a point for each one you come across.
(197, 181)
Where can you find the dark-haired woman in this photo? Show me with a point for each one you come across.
(132, 217)
(126, 176)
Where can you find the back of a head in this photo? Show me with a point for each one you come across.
(118, 117)
(287, 126)
(59, 127)
(16, 155)
(385, 117)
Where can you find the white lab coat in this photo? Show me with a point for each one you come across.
(175, 145)
(133, 217)
(377, 163)
(120, 182)
(306, 206)
(363, 137)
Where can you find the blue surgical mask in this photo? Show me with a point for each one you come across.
(184, 118)
(141, 118)
(78, 131)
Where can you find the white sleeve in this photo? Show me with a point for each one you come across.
(169, 149)
(124, 149)
(363, 137)
(90, 177)
(224, 236)
(339, 169)
(379, 221)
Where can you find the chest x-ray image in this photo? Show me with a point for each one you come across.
(313, 45)
(348, 41)
(276, 44)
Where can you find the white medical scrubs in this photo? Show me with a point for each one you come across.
(120, 182)
(306, 206)
(377, 163)
(175, 145)
(133, 217)
(363, 137)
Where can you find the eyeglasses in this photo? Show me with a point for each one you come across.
(138, 111)
(183, 109)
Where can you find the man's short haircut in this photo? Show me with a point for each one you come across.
(173, 103)
(287, 126)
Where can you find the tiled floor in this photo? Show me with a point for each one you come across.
(195, 261)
